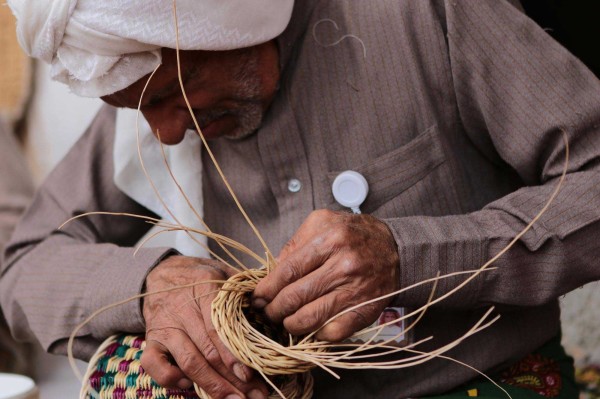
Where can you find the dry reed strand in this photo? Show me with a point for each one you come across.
(296, 356)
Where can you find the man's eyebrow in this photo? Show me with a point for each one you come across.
(172, 86)
(163, 92)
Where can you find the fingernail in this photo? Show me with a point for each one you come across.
(256, 394)
(233, 396)
(184, 383)
(240, 372)
(259, 303)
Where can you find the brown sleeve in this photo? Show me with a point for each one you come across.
(53, 279)
(516, 89)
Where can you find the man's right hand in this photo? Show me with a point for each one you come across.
(182, 344)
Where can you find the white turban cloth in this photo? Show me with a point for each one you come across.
(99, 47)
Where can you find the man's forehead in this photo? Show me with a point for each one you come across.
(131, 96)
(164, 82)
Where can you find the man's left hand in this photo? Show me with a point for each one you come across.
(334, 261)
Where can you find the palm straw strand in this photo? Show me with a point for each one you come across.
(269, 256)
(175, 181)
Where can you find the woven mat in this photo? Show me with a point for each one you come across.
(115, 372)
(15, 69)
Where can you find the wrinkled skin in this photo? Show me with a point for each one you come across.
(334, 261)
(182, 344)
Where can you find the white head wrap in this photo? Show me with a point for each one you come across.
(98, 47)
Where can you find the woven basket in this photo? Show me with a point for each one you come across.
(115, 372)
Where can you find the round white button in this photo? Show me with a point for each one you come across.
(294, 185)
(350, 189)
(14, 386)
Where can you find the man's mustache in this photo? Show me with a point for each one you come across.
(204, 118)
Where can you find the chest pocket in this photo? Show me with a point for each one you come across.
(394, 172)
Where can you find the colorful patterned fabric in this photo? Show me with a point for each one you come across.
(547, 372)
(115, 372)
(537, 373)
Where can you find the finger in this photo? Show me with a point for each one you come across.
(314, 315)
(196, 367)
(225, 357)
(305, 290)
(294, 267)
(299, 256)
(204, 336)
(157, 363)
(289, 247)
(190, 316)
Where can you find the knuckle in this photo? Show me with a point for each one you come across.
(319, 240)
(334, 332)
(150, 355)
(289, 302)
(362, 318)
(320, 314)
(309, 318)
(340, 234)
(315, 215)
(278, 310)
(301, 324)
(211, 354)
(337, 335)
(148, 361)
(166, 376)
(291, 271)
(350, 264)
(191, 365)
(291, 245)
(319, 216)
(215, 389)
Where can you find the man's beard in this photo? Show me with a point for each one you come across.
(248, 109)
(249, 118)
(248, 115)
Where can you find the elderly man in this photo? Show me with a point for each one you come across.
(451, 110)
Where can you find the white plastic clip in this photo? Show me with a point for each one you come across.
(350, 189)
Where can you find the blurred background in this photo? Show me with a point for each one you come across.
(47, 119)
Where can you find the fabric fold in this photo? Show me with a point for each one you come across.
(185, 162)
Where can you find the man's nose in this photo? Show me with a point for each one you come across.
(168, 123)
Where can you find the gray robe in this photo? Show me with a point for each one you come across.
(452, 110)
